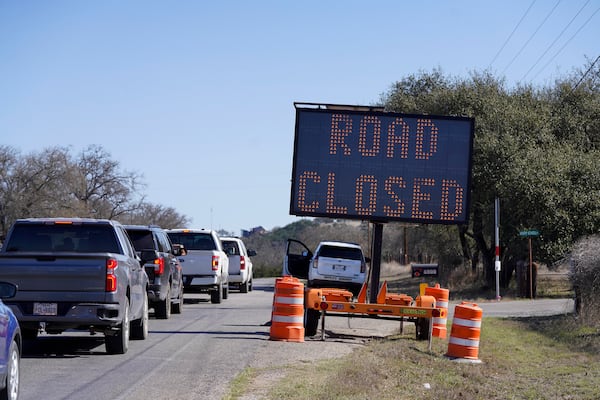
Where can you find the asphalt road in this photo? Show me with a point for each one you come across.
(196, 354)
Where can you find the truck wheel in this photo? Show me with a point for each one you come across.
(225, 291)
(118, 343)
(162, 309)
(11, 390)
(250, 284)
(139, 327)
(29, 333)
(311, 321)
(176, 308)
(245, 287)
(216, 296)
(422, 328)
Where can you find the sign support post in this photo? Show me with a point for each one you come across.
(376, 260)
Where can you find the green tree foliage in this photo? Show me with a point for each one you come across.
(537, 149)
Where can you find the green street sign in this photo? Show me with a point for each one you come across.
(529, 233)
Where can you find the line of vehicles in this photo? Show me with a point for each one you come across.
(97, 275)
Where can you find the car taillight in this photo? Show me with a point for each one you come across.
(215, 263)
(242, 263)
(111, 278)
(315, 262)
(363, 267)
(159, 266)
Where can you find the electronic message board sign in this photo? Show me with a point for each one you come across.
(380, 166)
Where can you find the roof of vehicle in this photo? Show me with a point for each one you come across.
(339, 244)
(191, 230)
(68, 220)
(230, 238)
(143, 227)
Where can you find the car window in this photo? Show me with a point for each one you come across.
(163, 242)
(83, 238)
(231, 247)
(142, 240)
(193, 241)
(349, 253)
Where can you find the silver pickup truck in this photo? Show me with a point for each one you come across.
(75, 273)
(206, 265)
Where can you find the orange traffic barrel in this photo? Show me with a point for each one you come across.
(464, 334)
(287, 318)
(441, 301)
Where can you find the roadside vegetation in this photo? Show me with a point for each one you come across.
(533, 358)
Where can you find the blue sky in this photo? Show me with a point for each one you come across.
(197, 96)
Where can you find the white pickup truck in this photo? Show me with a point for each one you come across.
(241, 272)
(205, 264)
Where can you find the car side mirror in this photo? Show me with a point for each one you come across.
(367, 259)
(179, 250)
(251, 253)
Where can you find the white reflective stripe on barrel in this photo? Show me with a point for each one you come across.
(289, 300)
(440, 321)
(463, 342)
(441, 304)
(467, 322)
(288, 318)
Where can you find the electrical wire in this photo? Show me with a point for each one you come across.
(512, 33)
(567, 42)
(555, 40)
(531, 37)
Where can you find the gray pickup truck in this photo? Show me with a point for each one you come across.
(75, 273)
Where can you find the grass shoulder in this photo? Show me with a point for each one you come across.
(529, 358)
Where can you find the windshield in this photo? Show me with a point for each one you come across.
(193, 241)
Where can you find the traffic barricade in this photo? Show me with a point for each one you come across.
(441, 296)
(465, 332)
(287, 318)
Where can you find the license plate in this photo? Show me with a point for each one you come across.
(338, 267)
(45, 308)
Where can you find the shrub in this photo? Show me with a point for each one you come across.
(585, 277)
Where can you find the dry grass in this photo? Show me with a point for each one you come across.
(545, 358)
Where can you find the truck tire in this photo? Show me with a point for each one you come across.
(162, 309)
(245, 287)
(216, 295)
(250, 284)
(225, 291)
(29, 333)
(422, 328)
(118, 343)
(11, 390)
(311, 321)
(177, 307)
(139, 327)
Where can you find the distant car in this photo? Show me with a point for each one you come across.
(241, 272)
(10, 345)
(333, 264)
(159, 258)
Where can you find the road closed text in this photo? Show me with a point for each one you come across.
(381, 166)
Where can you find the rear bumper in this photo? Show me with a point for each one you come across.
(71, 315)
(206, 282)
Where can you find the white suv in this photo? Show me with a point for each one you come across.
(333, 264)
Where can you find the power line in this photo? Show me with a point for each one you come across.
(512, 33)
(531, 37)
(586, 72)
(555, 40)
(567, 42)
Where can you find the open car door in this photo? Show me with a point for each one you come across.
(297, 259)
